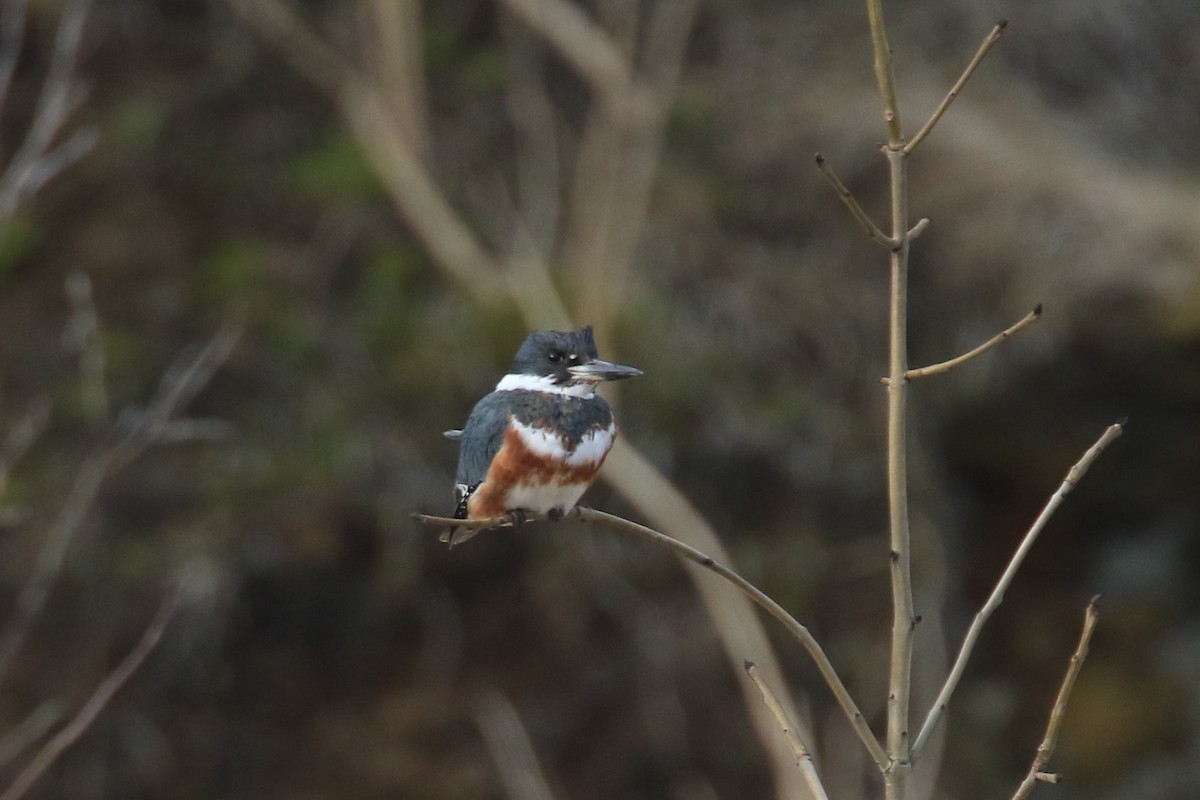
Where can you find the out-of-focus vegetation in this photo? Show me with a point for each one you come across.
(340, 651)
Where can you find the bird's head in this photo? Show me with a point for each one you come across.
(566, 358)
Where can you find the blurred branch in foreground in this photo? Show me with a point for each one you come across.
(100, 698)
(131, 435)
(43, 153)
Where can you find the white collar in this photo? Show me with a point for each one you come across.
(544, 383)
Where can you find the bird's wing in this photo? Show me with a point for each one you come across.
(481, 440)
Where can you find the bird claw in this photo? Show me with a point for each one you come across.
(518, 516)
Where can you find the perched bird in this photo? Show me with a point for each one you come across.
(537, 441)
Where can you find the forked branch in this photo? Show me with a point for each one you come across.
(581, 42)
(1074, 475)
(993, 37)
(1059, 712)
(824, 665)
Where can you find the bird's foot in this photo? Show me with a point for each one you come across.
(518, 516)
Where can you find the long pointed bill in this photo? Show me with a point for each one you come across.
(597, 371)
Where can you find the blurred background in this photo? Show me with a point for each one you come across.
(257, 256)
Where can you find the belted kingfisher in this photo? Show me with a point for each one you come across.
(537, 441)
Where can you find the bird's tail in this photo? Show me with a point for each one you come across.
(453, 536)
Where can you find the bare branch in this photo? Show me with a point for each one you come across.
(49, 562)
(193, 370)
(946, 366)
(308, 54)
(454, 245)
(616, 161)
(824, 665)
(100, 698)
(395, 33)
(899, 697)
(993, 37)
(1059, 712)
(144, 429)
(20, 438)
(743, 634)
(580, 41)
(884, 75)
(424, 206)
(536, 142)
(36, 161)
(12, 31)
(511, 750)
(864, 221)
(918, 229)
(997, 596)
(83, 334)
(48, 714)
(804, 758)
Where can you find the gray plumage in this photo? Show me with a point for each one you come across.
(572, 417)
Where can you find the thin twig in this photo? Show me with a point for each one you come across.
(100, 698)
(804, 758)
(884, 75)
(1059, 712)
(29, 730)
(864, 220)
(20, 437)
(536, 190)
(1074, 475)
(83, 334)
(826, 668)
(181, 381)
(580, 41)
(146, 428)
(993, 37)
(34, 162)
(306, 52)
(508, 742)
(946, 366)
(12, 31)
(918, 229)
(49, 562)
(394, 32)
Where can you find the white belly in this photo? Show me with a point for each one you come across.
(547, 497)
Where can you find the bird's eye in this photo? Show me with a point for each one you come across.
(555, 356)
